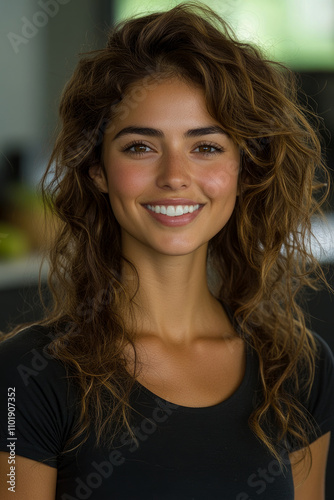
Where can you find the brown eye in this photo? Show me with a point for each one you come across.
(205, 149)
(209, 149)
(139, 148)
(136, 148)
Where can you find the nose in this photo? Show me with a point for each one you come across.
(173, 172)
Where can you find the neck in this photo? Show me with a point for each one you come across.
(173, 301)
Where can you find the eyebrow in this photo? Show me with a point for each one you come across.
(153, 132)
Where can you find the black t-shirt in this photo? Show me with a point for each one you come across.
(184, 453)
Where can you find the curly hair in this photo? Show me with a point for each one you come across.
(262, 255)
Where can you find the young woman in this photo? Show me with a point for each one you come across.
(175, 362)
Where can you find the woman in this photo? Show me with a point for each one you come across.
(183, 154)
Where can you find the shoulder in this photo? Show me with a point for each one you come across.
(320, 403)
(324, 353)
(324, 365)
(26, 355)
(35, 387)
(36, 335)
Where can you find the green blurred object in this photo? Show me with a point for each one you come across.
(25, 211)
(14, 243)
(298, 33)
(24, 196)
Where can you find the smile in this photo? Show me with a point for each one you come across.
(172, 210)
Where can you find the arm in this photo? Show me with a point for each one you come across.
(41, 414)
(33, 480)
(313, 486)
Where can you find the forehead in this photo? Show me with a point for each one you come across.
(162, 101)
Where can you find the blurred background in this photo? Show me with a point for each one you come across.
(40, 43)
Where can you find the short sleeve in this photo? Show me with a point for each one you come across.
(35, 416)
(321, 402)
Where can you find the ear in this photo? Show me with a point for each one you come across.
(96, 173)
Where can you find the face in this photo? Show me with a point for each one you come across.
(171, 171)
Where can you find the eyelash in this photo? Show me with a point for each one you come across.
(219, 149)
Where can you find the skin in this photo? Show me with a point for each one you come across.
(174, 301)
(313, 487)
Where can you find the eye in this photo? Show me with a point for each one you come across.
(208, 149)
(136, 148)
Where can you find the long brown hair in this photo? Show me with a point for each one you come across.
(262, 255)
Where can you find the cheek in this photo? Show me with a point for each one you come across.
(222, 180)
(126, 182)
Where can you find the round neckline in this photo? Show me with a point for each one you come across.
(212, 408)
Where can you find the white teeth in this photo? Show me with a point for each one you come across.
(173, 210)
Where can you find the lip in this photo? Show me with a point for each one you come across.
(180, 220)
